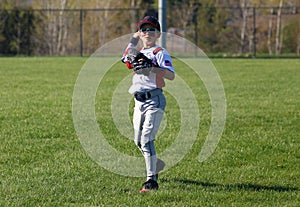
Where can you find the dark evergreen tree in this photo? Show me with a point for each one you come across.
(17, 27)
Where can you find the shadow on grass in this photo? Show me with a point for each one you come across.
(239, 186)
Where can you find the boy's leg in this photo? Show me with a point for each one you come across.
(149, 154)
(151, 125)
(138, 119)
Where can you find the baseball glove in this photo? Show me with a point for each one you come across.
(140, 63)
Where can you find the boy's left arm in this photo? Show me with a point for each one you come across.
(165, 68)
(169, 75)
(166, 73)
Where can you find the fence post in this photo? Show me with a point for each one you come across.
(81, 35)
(28, 33)
(254, 32)
(162, 12)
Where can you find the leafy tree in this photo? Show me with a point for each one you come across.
(17, 27)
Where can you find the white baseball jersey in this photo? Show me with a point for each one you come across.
(161, 59)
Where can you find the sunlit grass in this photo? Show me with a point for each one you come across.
(256, 162)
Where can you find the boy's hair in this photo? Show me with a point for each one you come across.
(148, 20)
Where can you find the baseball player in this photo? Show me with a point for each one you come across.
(151, 65)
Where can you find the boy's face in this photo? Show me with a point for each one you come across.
(148, 35)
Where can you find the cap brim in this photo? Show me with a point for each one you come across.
(147, 22)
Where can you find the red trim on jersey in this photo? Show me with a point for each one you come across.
(126, 51)
(157, 50)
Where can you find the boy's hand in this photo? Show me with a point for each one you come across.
(136, 35)
(135, 38)
(156, 70)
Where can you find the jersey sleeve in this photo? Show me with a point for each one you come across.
(164, 60)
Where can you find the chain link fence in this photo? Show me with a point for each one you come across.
(218, 31)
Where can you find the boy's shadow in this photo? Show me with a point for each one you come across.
(240, 186)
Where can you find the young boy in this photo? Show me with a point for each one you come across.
(146, 87)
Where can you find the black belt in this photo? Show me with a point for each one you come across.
(143, 96)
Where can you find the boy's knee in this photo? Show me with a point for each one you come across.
(148, 148)
(138, 143)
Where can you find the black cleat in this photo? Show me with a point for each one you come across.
(149, 185)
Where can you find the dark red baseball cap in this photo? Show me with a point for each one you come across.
(148, 20)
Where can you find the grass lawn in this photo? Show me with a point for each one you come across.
(256, 163)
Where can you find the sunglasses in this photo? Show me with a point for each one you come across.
(150, 30)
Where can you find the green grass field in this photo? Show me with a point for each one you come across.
(256, 163)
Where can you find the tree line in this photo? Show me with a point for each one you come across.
(72, 27)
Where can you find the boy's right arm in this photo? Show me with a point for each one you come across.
(132, 44)
(135, 38)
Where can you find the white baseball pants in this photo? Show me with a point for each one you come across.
(146, 120)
